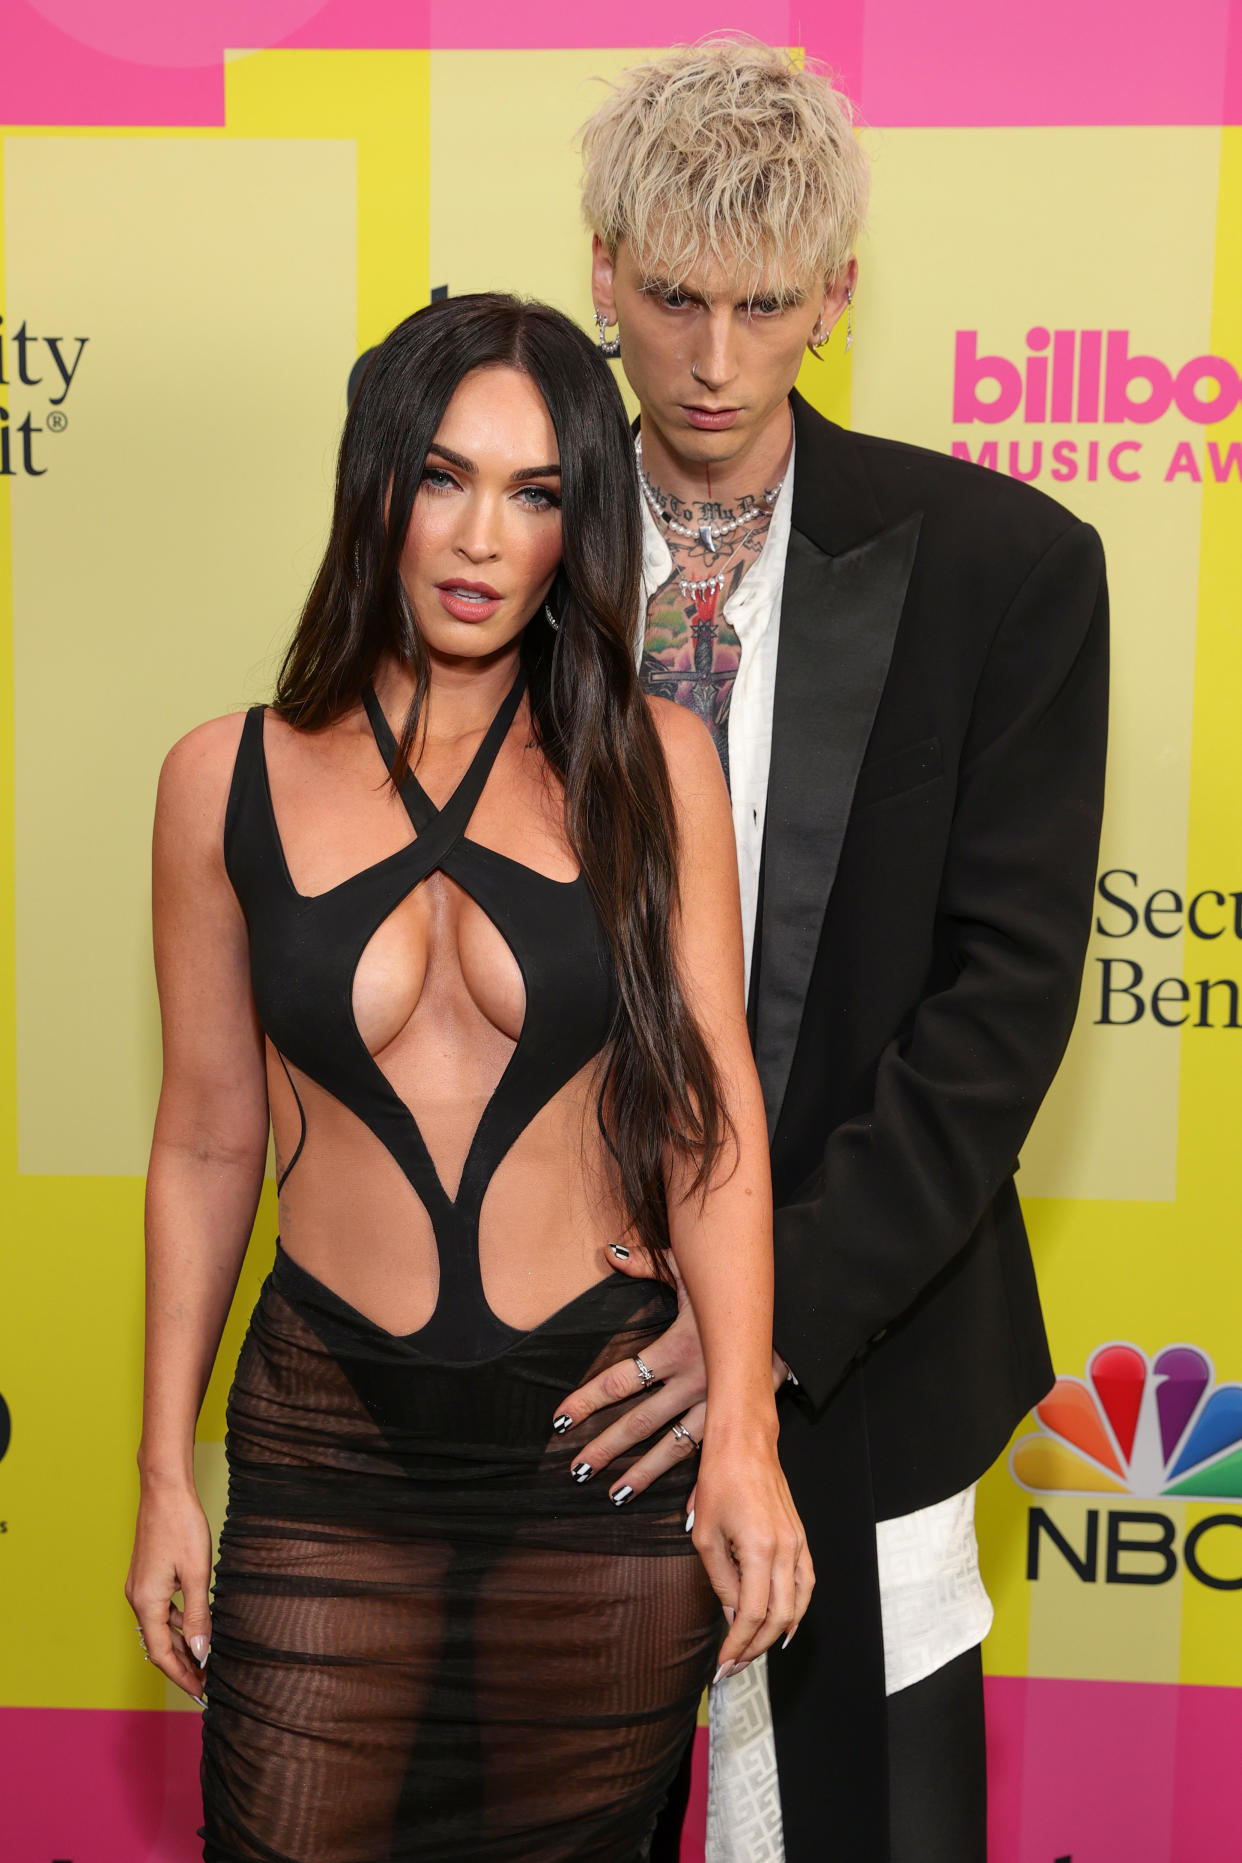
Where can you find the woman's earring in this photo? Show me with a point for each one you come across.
(553, 623)
(608, 346)
(849, 318)
(817, 339)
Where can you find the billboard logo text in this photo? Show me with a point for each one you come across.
(1087, 376)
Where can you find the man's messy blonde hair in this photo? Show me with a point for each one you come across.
(729, 150)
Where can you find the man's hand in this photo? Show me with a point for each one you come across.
(676, 1360)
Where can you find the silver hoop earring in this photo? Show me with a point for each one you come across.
(849, 319)
(817, 342)
(608, 346)
(553, 623)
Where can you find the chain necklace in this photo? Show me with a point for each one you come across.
(706, 533)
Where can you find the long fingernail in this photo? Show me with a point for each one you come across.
(620, 1496)
(729, 1613)
(200, 1699)
(582, 1471)
(723, 1673)
(201, 1648)
(620, 1251)
(788, 1637)
(562, 1423)
(690, 1521)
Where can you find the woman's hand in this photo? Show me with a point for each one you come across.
(172, 1552)
(750, 1539)
(675, 1361)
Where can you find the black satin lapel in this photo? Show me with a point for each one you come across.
(839, 618)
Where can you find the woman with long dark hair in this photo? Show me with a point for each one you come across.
(459, 913)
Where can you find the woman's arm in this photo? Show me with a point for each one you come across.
(746, 1528)
(206, 1172)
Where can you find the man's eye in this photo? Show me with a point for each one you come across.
(668, 295)
(766, 307)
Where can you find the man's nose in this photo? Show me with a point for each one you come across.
(715, 360)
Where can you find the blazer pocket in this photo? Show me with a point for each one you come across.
(895, 774)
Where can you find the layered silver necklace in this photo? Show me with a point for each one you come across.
(707, 532)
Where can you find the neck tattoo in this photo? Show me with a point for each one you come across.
(714, 522)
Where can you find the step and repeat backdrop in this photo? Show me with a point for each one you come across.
(208, 211)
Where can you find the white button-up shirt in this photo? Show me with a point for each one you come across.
(932, 1599)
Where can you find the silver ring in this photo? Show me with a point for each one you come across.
(683, 1435)
(694, 371)
(645, 1373)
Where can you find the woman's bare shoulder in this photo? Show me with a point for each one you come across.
(197, 772)
(687, 744)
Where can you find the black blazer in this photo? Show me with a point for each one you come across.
(932, 827)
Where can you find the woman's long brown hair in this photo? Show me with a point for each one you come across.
(659, 1101)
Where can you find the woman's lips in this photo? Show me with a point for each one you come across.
(712, 419)
(468, 601)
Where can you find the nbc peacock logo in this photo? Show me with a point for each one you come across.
(1150, 1427)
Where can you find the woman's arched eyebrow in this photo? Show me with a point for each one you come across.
(515, 478)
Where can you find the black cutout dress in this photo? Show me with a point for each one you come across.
(428, 1641)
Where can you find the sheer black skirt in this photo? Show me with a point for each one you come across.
(428, 1642)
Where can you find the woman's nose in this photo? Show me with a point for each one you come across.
(478, 537)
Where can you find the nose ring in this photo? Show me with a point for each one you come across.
(694, 371)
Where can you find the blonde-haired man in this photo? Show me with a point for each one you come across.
(903, 659)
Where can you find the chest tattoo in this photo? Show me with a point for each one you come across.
(690, 653)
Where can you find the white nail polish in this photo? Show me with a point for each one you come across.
(690, 1521)
(201, 1648)
(723, 1670)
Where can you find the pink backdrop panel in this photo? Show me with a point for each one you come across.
(1112, 1772)
(48, 76)
(968, 62)
(964, 62)
(111, 1787)
(1233, 67)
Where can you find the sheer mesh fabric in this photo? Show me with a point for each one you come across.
(428, 1641)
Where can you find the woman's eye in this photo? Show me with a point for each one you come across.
(538, 498)
(437, 480)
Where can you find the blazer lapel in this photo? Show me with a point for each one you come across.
(839, 613)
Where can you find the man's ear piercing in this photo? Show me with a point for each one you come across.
(849, 317)
(818, 339)
(608, 346)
